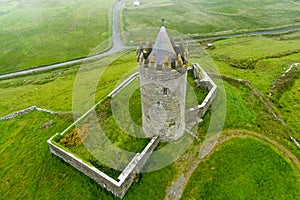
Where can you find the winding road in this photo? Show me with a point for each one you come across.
(118, 45)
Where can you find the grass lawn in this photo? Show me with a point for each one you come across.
(23, 141)
(107, 147)
(53, 90)
(40, 32)
(290, 107)
(243, 168)
(246, 111)
(254, 47)
(200, 18)
(29, 170)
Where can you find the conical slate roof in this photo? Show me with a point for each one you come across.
(163, 47)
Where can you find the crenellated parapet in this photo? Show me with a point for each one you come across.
(169, 67)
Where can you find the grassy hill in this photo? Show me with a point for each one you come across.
(24, 136)
(201, 18)
(244, 168)
(28, 170)
(41, 32)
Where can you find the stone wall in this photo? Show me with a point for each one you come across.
(120, 186)
(117, 187)
(125, 179)
(202, 79)
(25, 111)
(124, 84)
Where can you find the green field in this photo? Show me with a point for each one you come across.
(53, 90)
(41, 32)
(244, 168)
(289, 106)
(30, 171)
(58, 179)
(200, 18)
(270, 57)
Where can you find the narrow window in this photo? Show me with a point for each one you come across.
(165, 92)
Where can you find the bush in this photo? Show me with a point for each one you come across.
(297, 19)
(76, 137)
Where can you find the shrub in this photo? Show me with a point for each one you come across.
(76, 137)
(297, 19)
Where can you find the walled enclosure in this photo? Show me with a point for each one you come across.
(203, 80)
(163, 78)
(126, 178)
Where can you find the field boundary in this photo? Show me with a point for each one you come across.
(25, 111)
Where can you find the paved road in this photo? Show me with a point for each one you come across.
(117, 47)
(266, 32)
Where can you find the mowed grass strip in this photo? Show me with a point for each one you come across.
(243, 168)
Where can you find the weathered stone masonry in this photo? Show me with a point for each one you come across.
(25, 111)
(203, 80)
(163, 81)
(125, 179)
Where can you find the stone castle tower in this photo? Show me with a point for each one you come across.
(163, 77)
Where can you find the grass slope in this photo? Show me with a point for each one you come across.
(271, 61)
(243, 168)
(244, 111)
(30, 171)
(289, 106)
(208, 17)
(53, 90)
(40, 32)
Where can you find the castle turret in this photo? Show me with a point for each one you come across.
(163, 80)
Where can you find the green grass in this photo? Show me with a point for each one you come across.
(289, 106)
(243, 168)
(271, 63)
(268, 56)
(245, 111)
(253, 47)
(239, 114)
(199, 18)
(135, 108)
(40, 32)
(53, 90)
(29, 170)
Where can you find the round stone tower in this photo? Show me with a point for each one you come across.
(163, 80)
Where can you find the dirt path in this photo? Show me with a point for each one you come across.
(176, 189)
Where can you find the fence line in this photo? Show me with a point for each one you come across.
(25, 111)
